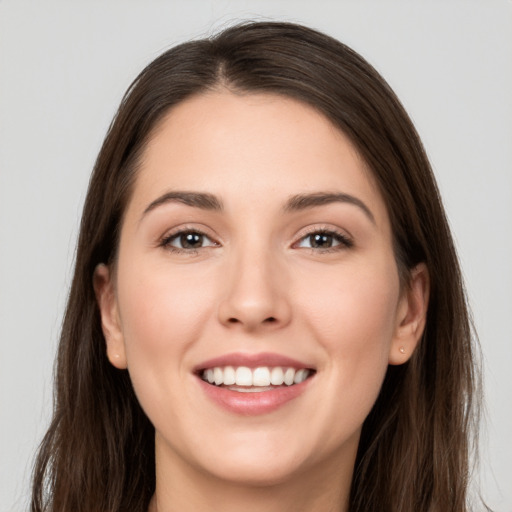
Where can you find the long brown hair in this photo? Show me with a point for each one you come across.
(98, 453)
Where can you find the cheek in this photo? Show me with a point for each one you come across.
(354, 321)
(353, 310)
(162, 313)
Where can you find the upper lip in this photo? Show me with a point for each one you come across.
(252, 361)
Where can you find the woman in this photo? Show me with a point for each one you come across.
(267, 310)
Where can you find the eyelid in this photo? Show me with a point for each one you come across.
(345, 240)
(165, 240)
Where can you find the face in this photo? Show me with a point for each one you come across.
(256, 253)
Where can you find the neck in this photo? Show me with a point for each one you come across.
(322, 488)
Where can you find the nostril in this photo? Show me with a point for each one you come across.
(269, 320)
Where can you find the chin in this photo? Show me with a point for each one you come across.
(255, 473)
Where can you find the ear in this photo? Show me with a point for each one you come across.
(411, 315)
(110, 321)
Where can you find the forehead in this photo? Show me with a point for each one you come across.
(243, 146)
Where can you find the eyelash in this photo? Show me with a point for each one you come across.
(343, 241)
(166, 241)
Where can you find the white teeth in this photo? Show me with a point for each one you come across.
(261, 377)
(243, 376)
(300, 376)
(289, 375)
(218, 376)
(277, 376)
(229, 376)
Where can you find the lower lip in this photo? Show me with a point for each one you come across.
(253, 403)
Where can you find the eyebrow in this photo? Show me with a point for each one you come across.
(206, 201)
(305, 201)
(201, 200)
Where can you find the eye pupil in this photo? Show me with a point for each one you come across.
(191, 240)
(321, 240)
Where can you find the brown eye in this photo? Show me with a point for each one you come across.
(321, 240)
(188, 240)
(325, 240)
(191, 240)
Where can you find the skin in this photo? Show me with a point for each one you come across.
(256, 285)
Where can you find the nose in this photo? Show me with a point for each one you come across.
(255, 295)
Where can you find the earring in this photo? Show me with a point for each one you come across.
(402, 350)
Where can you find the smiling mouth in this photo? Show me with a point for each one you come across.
(250, 380)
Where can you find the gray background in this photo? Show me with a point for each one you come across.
(63, 69)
